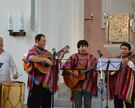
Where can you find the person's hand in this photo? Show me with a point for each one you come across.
(61, 55)
(15, 76)
(48, 61)
(65, 51)
(24, 59)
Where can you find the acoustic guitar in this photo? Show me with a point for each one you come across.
(71, 80)
(43, 67)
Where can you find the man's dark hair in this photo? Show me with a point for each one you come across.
(126, 44)
(38, 37)
(82, 42)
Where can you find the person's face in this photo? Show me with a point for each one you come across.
(124, 51)
(1, 43)
(41, 43)
(83, 49)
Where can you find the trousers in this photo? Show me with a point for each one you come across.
(39, 97)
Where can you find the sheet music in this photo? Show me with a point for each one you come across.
(114, 64)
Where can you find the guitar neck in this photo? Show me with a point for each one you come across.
(132, 57)
(57, 54)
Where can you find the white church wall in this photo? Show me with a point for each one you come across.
(17, 46)
(61, 21)
(65, 23)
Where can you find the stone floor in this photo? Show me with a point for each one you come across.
(62, 99)
(96, 103)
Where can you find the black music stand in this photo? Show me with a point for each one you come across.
(74, 63)
(107, 65)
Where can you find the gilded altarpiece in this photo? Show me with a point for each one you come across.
(118, 28)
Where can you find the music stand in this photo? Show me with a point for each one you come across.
(73, 68)
(107, 65)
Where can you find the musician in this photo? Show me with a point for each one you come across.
(85, 88)
(41, 85)
(6, 64)
(121, 84)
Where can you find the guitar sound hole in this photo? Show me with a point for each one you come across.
(79, 72)
(46, 65)
(38, 73)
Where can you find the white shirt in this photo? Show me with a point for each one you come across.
(131, 65)
(7, 67)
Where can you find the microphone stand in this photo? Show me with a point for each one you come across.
(101, 79)
(105, 66)
(107, 86)
(53, 70)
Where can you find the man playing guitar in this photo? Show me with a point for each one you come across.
(80, 75)
(41, 82)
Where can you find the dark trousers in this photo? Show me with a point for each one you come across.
(39, 97)
(118, 103)
(78, 99)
